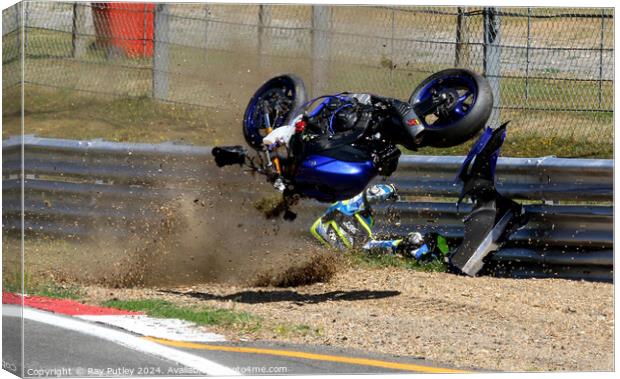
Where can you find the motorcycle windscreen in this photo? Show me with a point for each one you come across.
(329, 179)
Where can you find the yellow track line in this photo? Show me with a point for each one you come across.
(304, 355)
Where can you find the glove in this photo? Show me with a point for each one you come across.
(380, 192)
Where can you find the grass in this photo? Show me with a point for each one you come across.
(524, 145)
(201, 316)
(361, 258)
(67, 114)
(58, 291)
(231, 319)
(11, 282)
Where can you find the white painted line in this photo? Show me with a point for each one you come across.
(124, 339)
(166, 328)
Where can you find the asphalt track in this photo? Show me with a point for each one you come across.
(56, 344)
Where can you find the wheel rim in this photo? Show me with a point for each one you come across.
(280, 100)
(457, 95)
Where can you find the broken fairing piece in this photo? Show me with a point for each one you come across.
(490, 243)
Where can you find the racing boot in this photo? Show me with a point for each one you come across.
(429, 247)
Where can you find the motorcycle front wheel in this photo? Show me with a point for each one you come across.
(453, 105)
(272, 106)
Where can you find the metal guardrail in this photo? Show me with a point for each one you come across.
(76, 188)
(547, 178)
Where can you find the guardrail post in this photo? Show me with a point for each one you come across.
(492, 59)
(321, 24)
(78, 41)
(160, 53)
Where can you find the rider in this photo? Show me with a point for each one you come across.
(348, 223)
(494, 217)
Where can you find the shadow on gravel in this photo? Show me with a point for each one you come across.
(257, 297)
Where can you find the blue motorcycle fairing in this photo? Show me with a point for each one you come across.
(329, 179)
(477, 173)
(482, 143)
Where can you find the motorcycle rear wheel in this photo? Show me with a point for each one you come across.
(277, 99)
(465, 110)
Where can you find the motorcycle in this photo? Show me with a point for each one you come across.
(329, 148)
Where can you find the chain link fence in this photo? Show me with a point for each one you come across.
(551, 68)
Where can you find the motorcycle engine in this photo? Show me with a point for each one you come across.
(338, 115)
(345, 119)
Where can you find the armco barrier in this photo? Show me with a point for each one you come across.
(70, 186)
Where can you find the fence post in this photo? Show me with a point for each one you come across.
(19, 26)
(392, 58)
(527, 53)
(207, 13)
(26, 19)
(600, 60)
(78, 40)
(264, 21)
(492, 59)
(459, 47)
(160, 53)
(321, 23)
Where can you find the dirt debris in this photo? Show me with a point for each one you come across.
(319, 268)
(204, 234)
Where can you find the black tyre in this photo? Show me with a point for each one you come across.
(276, 101)
(453, 105)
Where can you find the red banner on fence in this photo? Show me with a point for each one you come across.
(125, 28)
